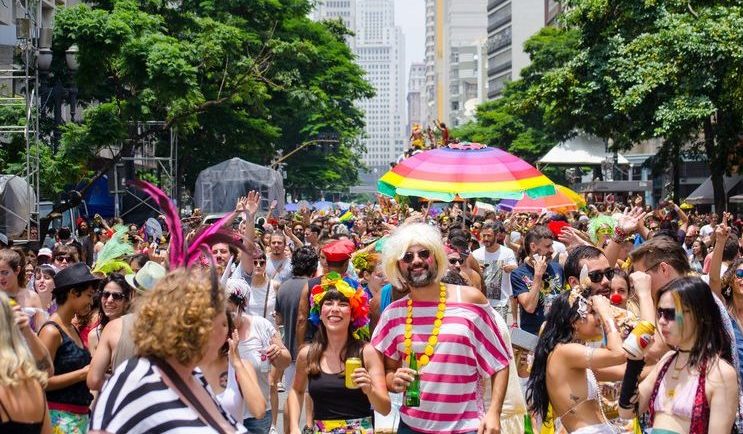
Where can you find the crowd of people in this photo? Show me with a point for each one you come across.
(604, 320)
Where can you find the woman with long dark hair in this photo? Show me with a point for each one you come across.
(341, 313)
(565, 371)
(698, 373)
(114, 297)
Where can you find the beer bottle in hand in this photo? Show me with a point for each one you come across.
(413, 392)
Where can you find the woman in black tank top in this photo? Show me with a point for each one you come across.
(22, 405)
(341, 313)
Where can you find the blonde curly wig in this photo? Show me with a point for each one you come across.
(176, 318)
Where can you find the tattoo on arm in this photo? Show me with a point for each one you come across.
(42, 364)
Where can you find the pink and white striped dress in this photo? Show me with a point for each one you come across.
(469, 348)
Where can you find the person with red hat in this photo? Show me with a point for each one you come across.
(337, 255)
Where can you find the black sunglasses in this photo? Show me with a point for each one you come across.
(669, 314)
(117, 296)
(259, 262)
(454, 261)
(61, 258)
(598, 275)
(409, 256)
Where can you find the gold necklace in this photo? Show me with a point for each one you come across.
(433, 339)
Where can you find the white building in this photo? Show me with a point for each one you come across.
(345, 10)
(510, 24)
(416, 92)
(456, 31)
(380, 51)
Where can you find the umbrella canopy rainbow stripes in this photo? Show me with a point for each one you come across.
(565, 199)
(470, 170)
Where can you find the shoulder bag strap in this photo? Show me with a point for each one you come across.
(186, 393)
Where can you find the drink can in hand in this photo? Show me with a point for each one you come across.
(351, 364)
(639, 339)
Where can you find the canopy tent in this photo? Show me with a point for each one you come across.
(705, 195)
(578, 151)
(17, 200)
(218, 187)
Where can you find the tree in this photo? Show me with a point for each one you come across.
(662, 68)
(232, 77)
(519, 121)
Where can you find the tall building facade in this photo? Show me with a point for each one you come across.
(510, 23)
(379, 47)
(380, 51)
(416, 90)
(345, 10)
(456, 32)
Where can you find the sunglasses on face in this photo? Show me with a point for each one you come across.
(455, 261)
(259, 262)
(598, 275)
(117, 296)
(63, 258)
(408, 257)
(668, 314)
(739, 273)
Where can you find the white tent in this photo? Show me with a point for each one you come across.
(17, 199)
(218, 187)
(705, 195)
(580, 150)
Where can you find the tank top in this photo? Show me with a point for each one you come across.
(334, 401)
(13, 427)
(125, 348)
(69, 358)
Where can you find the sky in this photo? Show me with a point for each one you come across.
(411, 16)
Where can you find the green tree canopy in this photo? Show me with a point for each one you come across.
(240, 78)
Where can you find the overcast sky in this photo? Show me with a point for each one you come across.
(411, 16)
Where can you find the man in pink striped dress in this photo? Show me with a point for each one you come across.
(454, 354)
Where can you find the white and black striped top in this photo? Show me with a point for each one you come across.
(136, 400)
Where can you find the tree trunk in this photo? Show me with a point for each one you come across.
(676, 149)
(717, 166)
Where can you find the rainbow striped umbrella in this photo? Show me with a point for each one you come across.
(564, 199)
(470, 170)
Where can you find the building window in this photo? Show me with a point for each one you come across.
(499, 17)
(499, 40)
(499, 63)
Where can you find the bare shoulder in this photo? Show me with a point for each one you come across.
(722, 371)
(302, 354)
(469, 294)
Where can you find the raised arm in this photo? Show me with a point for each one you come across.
(722, 232)
(249, 205)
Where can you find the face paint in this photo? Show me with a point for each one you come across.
(679, 310)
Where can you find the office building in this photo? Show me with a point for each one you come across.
(510, 24)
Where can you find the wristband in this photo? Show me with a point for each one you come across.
(619, 235)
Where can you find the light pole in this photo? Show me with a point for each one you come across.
(54, 89)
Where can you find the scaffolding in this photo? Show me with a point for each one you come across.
(150, 135)
(20, 84)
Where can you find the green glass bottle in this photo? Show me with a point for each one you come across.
(527, 424)
(413, 392)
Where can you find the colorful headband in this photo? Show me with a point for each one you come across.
(360, 262)
(355, 295)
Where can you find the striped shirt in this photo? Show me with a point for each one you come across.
(136, 400)
(470, 348)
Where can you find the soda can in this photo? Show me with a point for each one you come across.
(351, 364)
(639, 339)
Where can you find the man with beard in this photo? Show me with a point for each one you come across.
(599, 271)
(453, 327)
(537, 281)
(278, 267)
(497, 262)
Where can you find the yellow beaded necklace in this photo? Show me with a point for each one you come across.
(433, 339)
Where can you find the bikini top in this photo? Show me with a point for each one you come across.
(689, 402)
